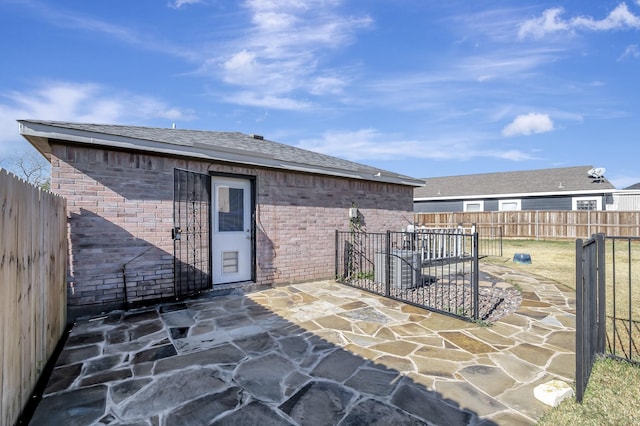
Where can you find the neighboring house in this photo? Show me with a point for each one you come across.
(567, 188)
(160, 213)
(627, 199)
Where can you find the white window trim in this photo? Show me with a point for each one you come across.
(466, 203)
(518, 203)
(597, 199)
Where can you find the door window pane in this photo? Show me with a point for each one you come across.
(230, 209)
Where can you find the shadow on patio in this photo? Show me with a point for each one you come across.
(309, 354)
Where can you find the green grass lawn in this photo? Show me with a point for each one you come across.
(554, 260)
(612, 396)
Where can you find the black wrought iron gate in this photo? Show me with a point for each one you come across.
(590, 308)
(191, 232)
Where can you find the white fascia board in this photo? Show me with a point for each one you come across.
(628, 191)
(202, 151)
(519, 195)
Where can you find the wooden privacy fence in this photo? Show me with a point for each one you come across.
(33, 261)
(539, 224)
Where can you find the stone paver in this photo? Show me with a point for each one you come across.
(313, 354)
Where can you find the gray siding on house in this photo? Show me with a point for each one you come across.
(547, 203)
(563, 181)
(491, 205)
(437, 206)
(544, 189)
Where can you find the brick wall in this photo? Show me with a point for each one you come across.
(120, 207)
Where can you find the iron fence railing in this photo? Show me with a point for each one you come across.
(607, 307)
(433, 269)
(489, 237)
(489, 240)
(623, 298)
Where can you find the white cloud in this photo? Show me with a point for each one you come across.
(547, 23)
(527, 124)
(240, 68)
(64, 18)
(277, 55)
(619, 18)
(81, 102)
(249, 98)
(370, 144)
(280, 55)
(274, 21)
(550, 22)
(323, 85)
(461, 82)
(360, 144)
(177, 4)
(632, 51)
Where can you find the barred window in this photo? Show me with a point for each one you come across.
(586, 205)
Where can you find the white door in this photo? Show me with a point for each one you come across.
(231, 239)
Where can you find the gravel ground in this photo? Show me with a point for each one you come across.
(454, 296)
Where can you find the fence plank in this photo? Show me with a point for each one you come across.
(33, 261)
(4, 302)
(542, 224)
(10, 343)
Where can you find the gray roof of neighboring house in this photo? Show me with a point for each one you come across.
(207, 145)
(557, 181)
(634, 186)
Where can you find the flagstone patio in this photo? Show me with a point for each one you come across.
(317, 353)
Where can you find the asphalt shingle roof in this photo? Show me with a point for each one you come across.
(229, 142)
(566, 179)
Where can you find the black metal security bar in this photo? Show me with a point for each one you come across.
(191, 218)
(623, 299)
(489, 236)
(607, 307)
(433, 269)
(489, 240)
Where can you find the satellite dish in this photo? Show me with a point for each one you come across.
(596, 172)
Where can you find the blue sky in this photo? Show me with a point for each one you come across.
(420, 87)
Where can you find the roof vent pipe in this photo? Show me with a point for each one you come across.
(258, 137)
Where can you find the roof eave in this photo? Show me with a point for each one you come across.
(518, 195)
(39, 134)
